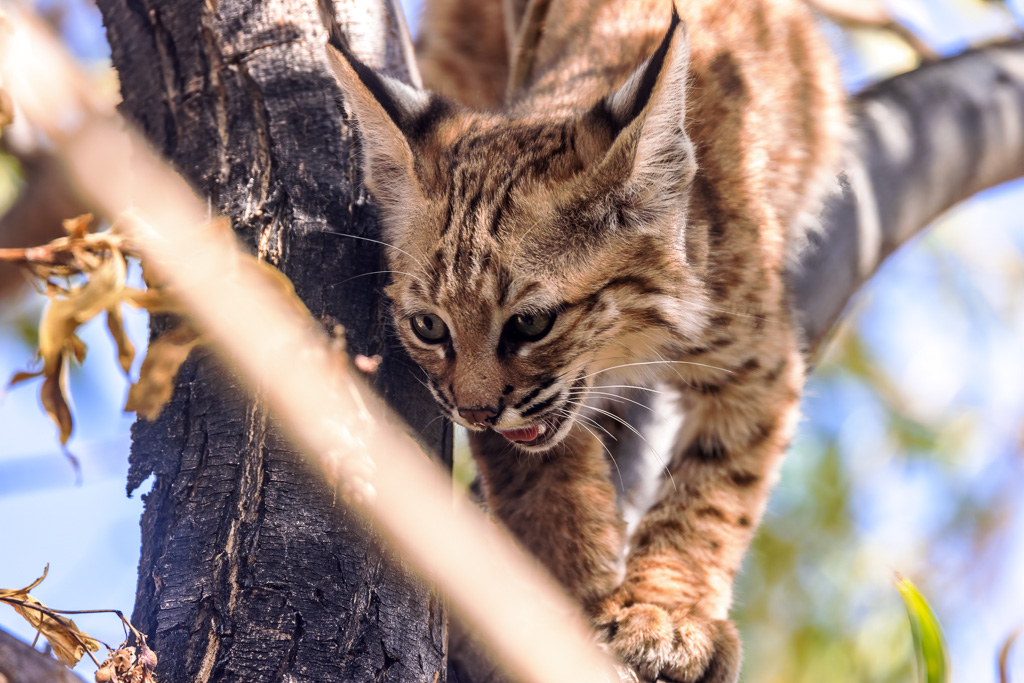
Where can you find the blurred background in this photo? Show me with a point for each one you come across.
(910, 457)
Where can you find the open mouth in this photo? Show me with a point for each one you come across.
(534, 435)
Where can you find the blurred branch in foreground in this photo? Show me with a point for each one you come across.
(20, 663)
(337, 422)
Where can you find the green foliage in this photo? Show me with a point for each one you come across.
(929, 644)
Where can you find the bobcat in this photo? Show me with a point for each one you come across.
(613, 220)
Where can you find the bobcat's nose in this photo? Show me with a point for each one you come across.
(479, 416)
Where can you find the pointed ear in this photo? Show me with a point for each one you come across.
(392, 117)
(651, 161)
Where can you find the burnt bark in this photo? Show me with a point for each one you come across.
(251, 569)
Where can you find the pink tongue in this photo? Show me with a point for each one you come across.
(520, 435)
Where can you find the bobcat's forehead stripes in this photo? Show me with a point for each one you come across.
(486, 171)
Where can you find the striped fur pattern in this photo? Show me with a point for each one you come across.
(622, 220)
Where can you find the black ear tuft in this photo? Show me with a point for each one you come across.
(414, 112)
(618, 110)
(650, 75)
(371, 80)
(650, 163)
(393, 119)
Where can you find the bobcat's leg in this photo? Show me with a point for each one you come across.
(561, 507)
(669, 618)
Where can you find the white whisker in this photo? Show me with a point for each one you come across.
(622, 484)
(610, 396)
(427, 426)
(380, 272)
(591, 421)
(627, 425)
(370, 239)
(659, 362)
(676, 370)
(626, 386)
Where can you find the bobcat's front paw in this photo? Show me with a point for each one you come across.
(670, 646)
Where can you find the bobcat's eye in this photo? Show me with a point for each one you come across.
(429, 328)
(529, 327)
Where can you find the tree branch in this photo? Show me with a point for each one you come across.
(921, 143)
(21, 663)
(873, 15)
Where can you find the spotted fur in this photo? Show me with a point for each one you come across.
(642, 181)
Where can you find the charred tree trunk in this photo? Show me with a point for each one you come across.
(251, 570)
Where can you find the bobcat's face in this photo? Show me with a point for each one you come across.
(531, 255)
(510, 352)
(510, 332)
(515, 290)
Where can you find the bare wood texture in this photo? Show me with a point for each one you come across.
(20, 663)
(249, 569)
(921, 143)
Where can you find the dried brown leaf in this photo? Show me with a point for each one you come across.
(125, 348)
(101, 258)
(147, 658)
(78, 227)
(77, 347)
(19, 593)
(126, 665)
(153, 300)
(52, 395)
(68, 642)
(63, 315)
(103, 290)
(156, 377)
(20, 377)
